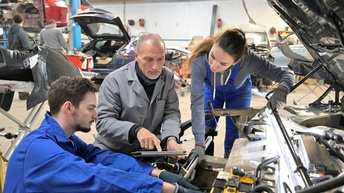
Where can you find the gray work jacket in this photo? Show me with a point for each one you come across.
(123, 102)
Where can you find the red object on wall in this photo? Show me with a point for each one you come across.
(219, 23)
(142, 22)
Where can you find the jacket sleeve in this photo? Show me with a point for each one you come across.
(171, 119)
(267, 69)
(109, 124)
(92, 154)
(52, 168)
(198, 74)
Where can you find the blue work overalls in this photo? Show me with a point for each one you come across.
(234, 98)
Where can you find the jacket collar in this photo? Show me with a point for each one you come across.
(56, 130)
(134, 83)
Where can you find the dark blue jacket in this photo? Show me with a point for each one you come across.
(46, 160)
(17, 39)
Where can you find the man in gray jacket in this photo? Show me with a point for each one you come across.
(138, 106)
(52, 37)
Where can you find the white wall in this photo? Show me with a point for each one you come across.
(180, 21)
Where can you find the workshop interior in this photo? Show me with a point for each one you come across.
(298, 149)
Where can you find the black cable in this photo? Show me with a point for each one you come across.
(321, 179)
(333, 150)
(325, 185)
(286, 188)
(264, 163)
(259, 189)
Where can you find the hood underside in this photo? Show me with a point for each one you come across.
(101, 24)
(319, 26)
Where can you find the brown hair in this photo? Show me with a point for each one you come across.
(71, 89)
(17, 19)
(232, 41)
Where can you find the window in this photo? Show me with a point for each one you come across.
(104, 29)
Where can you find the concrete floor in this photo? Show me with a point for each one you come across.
(18, 110)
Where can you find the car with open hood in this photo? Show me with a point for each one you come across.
(318, 25)
(106, 33)
(300, 148)
(110, 45)
(311, 139)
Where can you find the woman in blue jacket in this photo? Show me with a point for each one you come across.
(220, 72)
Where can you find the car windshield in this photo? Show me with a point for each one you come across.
(258, 38)
(104, 29)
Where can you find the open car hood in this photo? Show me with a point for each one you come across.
(101, 24)
(319, 26)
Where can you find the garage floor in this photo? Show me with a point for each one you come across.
(18, 110)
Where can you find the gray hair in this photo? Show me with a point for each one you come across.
(149, 36)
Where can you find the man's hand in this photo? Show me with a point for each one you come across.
(197, 151)
(174, 178)
(147, 139)
(278, 99)
(172, 145)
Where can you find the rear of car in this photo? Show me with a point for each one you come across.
(107, 35)
(125, 54)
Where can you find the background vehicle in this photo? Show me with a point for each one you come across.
(258, 41)
(36, 13)
(110, 45)
(125, 54)
(294, 44)
(107, 34)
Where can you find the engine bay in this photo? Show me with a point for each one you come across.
(280, 153)
(299, 149)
